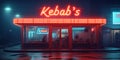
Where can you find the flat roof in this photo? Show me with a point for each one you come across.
(35, 21)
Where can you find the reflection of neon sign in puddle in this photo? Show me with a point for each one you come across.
(38, 58)
(65, 58)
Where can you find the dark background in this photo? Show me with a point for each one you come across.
(10, 34)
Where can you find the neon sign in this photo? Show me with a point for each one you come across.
(48, 11)
(116, 17)
(42, 31)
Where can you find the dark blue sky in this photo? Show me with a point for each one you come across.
(31, 8)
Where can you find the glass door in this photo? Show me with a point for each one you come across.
(60, 38)
(64, 38)
(116, 38)
(55, 38)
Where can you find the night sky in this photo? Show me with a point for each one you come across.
(10, 34)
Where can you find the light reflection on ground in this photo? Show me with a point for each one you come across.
(60, 56)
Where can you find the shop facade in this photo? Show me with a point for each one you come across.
(60, 33)
(111, 31)
(56, 32)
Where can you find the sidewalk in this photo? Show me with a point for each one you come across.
(17, 48)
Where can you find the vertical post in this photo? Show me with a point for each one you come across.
(112, 37)
(93, 37)
(60, 39)
(70, 37)
(97, 35)
(22, 35)
(50, 37)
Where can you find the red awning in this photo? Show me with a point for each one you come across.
(35, 21)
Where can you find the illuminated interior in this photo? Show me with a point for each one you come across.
(36, 33)
(54, 33)
(116, 17)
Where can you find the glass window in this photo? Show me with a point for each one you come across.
(83, 36)
(37, 33)
(76, 31)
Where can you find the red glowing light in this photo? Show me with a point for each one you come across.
(48, 12)
(44, 30)
(92, 29)
(57, 21)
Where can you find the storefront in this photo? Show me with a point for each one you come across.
(60, 33)
(111, 31)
